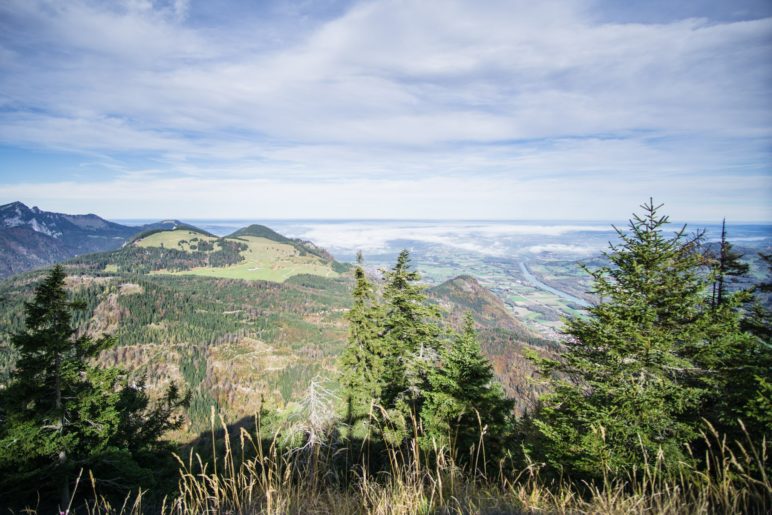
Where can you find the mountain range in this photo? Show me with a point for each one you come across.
(32, 238)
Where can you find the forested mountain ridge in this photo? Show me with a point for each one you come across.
(233, 343)
(32, 238)
(261, 231)
(253, 253)
(58, 225)
(150, 229)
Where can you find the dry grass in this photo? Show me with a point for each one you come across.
(299, 481)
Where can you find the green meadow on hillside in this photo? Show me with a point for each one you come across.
(259, 256)
(266, 260)
(181, 239)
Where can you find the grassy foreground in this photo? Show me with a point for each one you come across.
(279, 479)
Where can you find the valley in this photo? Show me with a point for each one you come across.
(246, 317)
(245, 321)
(527, 290)
(534, 267)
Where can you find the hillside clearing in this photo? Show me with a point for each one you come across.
(265, 260)
(179, 239)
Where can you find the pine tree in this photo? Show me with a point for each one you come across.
(465, 404)
(738, 358)
(623, 392)
(61, 413)
(411, 335)
(737, 369)
(362, 360)
(727, 265)
(758, 319)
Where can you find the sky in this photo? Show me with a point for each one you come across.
(397, 109)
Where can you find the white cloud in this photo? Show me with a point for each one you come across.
(407, 72)
(518, 98)
(560, 248)
(152, 194)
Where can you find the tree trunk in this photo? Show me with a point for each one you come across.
(65, 488)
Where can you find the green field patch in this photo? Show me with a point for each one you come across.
(266, 260)
(180, 239)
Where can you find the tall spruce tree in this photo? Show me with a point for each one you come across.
(737, 357)
(727, 264)
(758, 319)
(466, 406)
(411, 339)
(623, 390)
(362, 360)
(736, 374)
(60, 413)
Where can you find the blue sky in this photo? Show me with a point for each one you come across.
(387, 109)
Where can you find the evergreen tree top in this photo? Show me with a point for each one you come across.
(407, 311)
(401, 277)
(48, 310)
(465, 362)
(655, 275)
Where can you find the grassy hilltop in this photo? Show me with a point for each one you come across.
(254, 253)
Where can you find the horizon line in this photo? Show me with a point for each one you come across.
(477, 220)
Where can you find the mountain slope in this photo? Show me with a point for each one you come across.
(22, 248)
(231, 343)
(168, 225)
(190, 251)
(238, 344)
(243, 320)
(60, 226)
(505, 340)
(31, 238)
(464, 293)
(261, 231)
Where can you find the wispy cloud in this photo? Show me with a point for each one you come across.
(496, 97)
(152, 193)
(561, 248)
